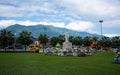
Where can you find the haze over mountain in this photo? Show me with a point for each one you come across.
(47, 29)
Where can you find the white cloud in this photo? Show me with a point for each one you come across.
(60, 12)
(56, 24)
(111, 35)
(98, 8)
(25, 9)
(77, 8)
(9, 11)
(112, 24)
(77, 25)
(6, 23)
(81, 26)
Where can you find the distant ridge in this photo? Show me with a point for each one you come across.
(47, 29)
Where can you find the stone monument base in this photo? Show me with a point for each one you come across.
(67, 45)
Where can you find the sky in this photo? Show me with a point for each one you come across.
(79, 15)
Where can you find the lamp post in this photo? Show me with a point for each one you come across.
(101, 21)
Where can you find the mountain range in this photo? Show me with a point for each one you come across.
(47, 29)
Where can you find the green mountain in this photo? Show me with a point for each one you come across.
(47, 29)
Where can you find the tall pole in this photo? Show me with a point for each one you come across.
(101, 21)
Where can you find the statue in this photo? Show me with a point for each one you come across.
(66, 36)
(67, 45)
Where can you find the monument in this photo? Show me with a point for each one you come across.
(67, 45)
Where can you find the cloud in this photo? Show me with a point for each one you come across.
(77, 25)
(97, 8)
(72, 14)
(6, 23)
(94, 8)
(112, 24)
(76, 9)
(80, 26)
(25, 9)
(111, 35)
(56, 24)
(9, 11)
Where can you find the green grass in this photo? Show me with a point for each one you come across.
(39, 64)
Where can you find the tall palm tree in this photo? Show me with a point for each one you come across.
(94, 39)
(105, 42)
(6, 38)
(25, 38)
(43, 38)
(71, 39)
(54, 41)
(87, 41)
(61, 39)
(78, 40)
(116, 41)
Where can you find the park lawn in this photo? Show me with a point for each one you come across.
(100, 63)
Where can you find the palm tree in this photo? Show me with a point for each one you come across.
(25, 38)
(87, 41)
(116, 41)
(43, 38)
(54, 41)
(61, 39)
(6, 38)
(71, 39)
(95, 41)
(78, 40)
(105, 42)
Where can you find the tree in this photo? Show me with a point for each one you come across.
(43, 38)
(116, 41)
(95, 42)
(6, 38)
(61, 39)
(87, 41)
(105, 42)
(94, 39)
(25, 38)
(78, 40)
(54, 41)
(71, 39)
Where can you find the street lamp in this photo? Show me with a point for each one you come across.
(101, 21)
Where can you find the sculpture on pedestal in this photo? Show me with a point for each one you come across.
(67, 45)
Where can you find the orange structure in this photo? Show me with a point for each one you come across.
(36, 46)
